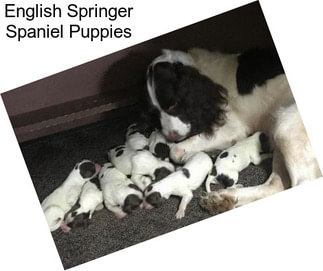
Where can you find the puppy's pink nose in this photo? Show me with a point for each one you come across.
(97, 168)
(145, 205)
(173, 136)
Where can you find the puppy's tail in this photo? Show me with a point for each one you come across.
(209, 180)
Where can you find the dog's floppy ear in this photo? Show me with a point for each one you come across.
(204, 101)
(131, 203)
(87, 169)
(155, 199)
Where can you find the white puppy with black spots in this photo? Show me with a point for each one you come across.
(253, 149)
(91, 200)
(120, 195)
(180, 183)
(63, 198)
(136, 140)
(147, 168)
(121, 157)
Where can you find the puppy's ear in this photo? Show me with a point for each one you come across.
(87, 169)
(131, 203)
(161, 173)
(155, 199)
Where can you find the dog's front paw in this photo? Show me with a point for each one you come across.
(180, 214)
(218, 201)
(120, 215)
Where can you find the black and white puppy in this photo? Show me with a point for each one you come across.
(180, 183)
(146, 167)
(121, 157)
(120, 195)
(63, 198)
(253, 149)
(91, 199)
(136, 140)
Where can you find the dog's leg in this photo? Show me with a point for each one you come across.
(182, 206)
(99, 207)
(222, 138)
(258, 158)
(291, 138)
(141, 181)
(72, 196)
(117, 211)
(226, 199)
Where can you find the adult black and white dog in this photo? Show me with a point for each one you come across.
(208, 100)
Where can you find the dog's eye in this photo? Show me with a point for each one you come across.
(172, 110)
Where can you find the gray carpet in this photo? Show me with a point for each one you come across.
(50, 159)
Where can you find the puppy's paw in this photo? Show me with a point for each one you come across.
(99, 207)
(64, 227)
(218, 201)
(180, 214)
(120, 215)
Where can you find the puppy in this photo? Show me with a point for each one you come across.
(136, 140)
(146, 167)
(180, 183)
(159, 146)
(231, 161)
(91, 199)
(120, 195)
(61, 200)
(121, 157)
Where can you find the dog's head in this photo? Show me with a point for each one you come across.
(86, 169)
(187, 101)
(152, 198)
(81, 220)
(131, 203)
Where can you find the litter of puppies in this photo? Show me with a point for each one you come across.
(140, 174)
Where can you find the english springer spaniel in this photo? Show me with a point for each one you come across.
(208, 101)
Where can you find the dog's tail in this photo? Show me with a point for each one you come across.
(210, 179)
